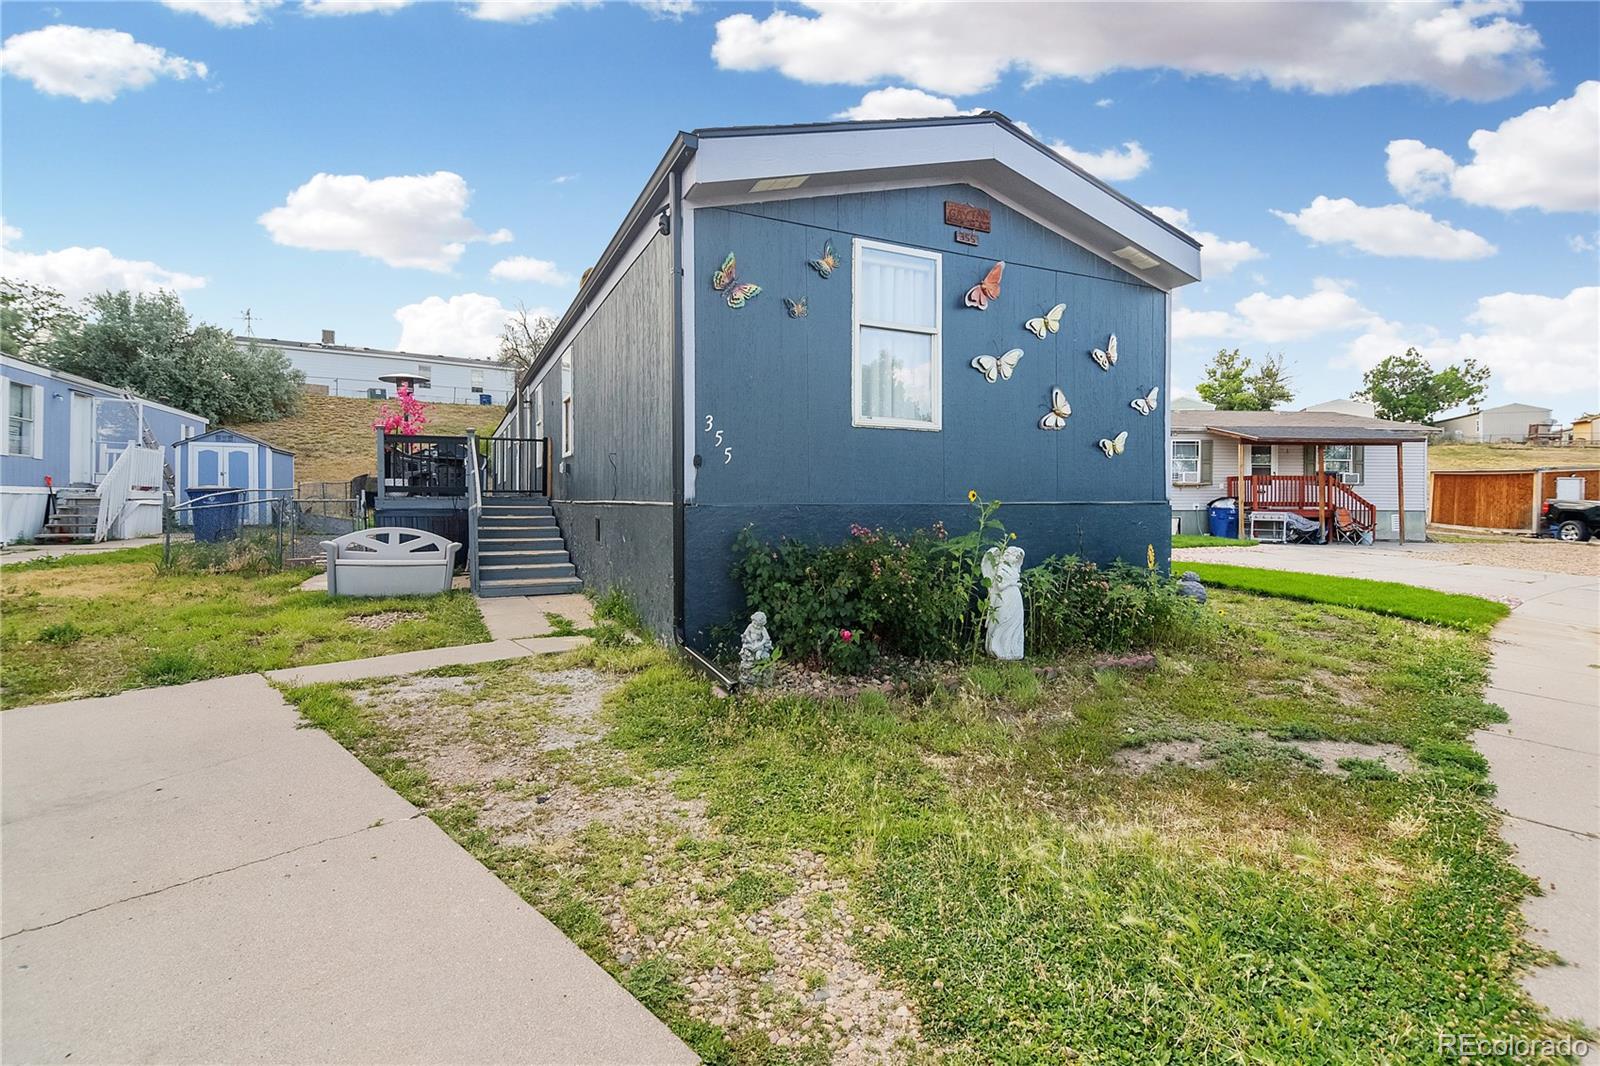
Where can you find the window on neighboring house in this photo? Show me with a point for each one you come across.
(425, 370)
(1186, 462)
(1260, 460)
(566, 404)
(477, 381)
(895, 370)
(22, 419)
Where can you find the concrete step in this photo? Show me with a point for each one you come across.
(513, 503)
(516, 516)
(521, 556)
(547, 587)
(525, 572)
(488, 544)
(63, 538)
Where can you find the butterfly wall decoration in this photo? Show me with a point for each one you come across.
(988, 289)
(1108, 357)
(1049, 322)
(725, 280)
(827, 262)
(995, 367)
(1147, 403)
(797, 308)
(1115, 445)
(1059, 410)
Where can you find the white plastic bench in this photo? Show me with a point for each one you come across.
(390, 561)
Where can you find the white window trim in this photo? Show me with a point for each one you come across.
(1250, 466)
(37, 447)
(568, 370)
(936, 378)
(1172, 455)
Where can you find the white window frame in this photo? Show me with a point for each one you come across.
(1176, 459)
(36, 445)
(475, 380)
(1250, 459)
(936, 378)
(537, 427)
(1347, 464)
(568, 418)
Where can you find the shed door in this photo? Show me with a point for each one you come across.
(229, 466)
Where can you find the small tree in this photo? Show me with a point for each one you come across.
(1233, 383)
(1407, 388)
(522, 338)
(30, 316)
(405, 421)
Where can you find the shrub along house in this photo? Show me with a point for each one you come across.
(804, 327)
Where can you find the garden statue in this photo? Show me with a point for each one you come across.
(1189, 585)
(1003, 568)
(754, 647)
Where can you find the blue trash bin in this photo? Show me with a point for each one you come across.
(216, 513)
(1222, 518)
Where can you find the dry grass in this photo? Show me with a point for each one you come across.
(331, 437)
(1507, 456)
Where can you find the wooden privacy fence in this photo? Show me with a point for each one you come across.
(1500, 499)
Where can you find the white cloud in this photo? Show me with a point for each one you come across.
(1536, 346)
(522, 10)
(899, 102)
(353, 7)
(413, 221)
(669, 9)
(228, 13)
(8, 233)
(1475, 50)
(1546, 157)
(1110, 165)
(92, 65)
(562, 179)
(526, 268)
(1218, 257)
(1328, 308)
(1104, 101)
(78, 272)
(1583, 242)
(467, 325)
(1393, 231)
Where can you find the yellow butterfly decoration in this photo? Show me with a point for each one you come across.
(1059, 410)
(829, 260)
(1115, 445)
(725, 281)
(994, 367)
(1049, 322)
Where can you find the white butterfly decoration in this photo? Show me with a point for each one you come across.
(1059, 410)
(994, 367)
(1115, 445)
(1108, 358)
(1049, 322)
(1147, 403)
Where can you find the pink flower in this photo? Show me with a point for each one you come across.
(845, 635)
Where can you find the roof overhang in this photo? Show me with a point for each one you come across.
(1314, 435)
(986, 150)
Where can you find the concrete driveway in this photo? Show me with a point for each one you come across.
(189, 877)
(1544, 761)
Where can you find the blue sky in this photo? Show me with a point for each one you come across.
(524, 135)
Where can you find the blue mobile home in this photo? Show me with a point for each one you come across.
(64, 434)
(876, 386)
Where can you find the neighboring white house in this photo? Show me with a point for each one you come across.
(342, 370)
(1280, 449)
(1508, 422)
(1342, 406)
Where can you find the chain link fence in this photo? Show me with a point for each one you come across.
(254, 531)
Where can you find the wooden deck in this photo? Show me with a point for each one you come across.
(1304, 494)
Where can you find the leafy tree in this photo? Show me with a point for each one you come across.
(1234, 383)
(147, 343)
(522, 338)
(30, 315)
(1408, 389)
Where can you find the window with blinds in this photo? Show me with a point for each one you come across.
(896, 315)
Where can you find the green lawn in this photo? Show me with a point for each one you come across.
(1380, 597)
(1205, 540)
(989, 861)
(91, 625)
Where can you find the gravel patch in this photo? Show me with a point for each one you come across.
(1324, 754)
(384, 619)
(1550, 556)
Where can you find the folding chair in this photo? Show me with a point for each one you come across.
(1345, 530)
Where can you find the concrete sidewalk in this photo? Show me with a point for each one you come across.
(191, 877)
(1544, 761)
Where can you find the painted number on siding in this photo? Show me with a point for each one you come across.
(727, 452)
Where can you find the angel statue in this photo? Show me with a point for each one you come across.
(754, 647)
(1003, 568)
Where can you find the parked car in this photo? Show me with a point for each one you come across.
(1572, 520)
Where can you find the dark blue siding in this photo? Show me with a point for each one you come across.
(779, 390)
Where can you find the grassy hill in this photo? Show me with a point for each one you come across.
(331, 437)
(1507, 456)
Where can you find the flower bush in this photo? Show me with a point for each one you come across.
(405, 421)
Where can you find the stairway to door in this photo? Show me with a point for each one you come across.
(521, 551)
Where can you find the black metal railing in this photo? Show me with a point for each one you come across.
(424, 466)
(516, 466)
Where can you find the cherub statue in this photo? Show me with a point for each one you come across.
(1003, 568)
(754, 647)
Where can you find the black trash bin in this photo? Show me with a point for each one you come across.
(216, 512)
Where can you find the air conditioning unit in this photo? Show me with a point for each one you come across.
(1187, 477)
(1349, 478)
